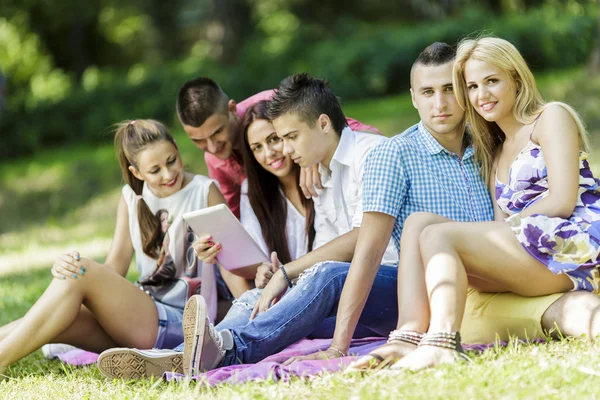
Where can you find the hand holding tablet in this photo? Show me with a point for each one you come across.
(219, 226)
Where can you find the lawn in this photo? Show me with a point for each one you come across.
(66, 198)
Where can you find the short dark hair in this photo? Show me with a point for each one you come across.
(435, 54)
(309, 97)
(199, 99)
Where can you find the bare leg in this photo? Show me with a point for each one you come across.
(574, 314)
(486, 250)
(85, 332)
(413, 303)
(8, 328)
(124, 312)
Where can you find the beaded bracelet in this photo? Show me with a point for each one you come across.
(287, 279)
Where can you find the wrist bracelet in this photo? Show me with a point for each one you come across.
(341, 353)
(289, 283)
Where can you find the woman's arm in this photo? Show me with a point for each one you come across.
(121, 249)
(558, 135)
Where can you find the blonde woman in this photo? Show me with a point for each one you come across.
(545, 237)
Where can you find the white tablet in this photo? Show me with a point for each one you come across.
(238, 248)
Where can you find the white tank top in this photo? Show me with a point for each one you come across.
(192, 197)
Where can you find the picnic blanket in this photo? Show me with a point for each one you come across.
(271, 367)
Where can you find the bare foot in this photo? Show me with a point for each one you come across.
(427, 357)
(382, 356)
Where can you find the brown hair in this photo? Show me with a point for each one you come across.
(265, 195)
(132, 137)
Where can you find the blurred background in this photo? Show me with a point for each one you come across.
(71, 69)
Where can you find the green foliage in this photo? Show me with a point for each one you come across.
(360, 60)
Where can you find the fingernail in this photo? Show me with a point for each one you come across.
(219, 246)
(81, 271)
(74, 276)
(63, 277)
(210, 243)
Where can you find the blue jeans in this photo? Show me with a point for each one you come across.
(307, 310)
(309, 307)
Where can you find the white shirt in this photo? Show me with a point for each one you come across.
(338, 208)
(191, 198)
(295, 226)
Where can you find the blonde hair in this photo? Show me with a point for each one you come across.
(529, 103)
(131, 138)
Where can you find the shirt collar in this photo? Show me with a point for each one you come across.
(434, 147)
(345, 148)
(343, 152)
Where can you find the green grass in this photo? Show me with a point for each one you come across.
(66, 198)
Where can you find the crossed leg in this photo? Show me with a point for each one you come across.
(116, 313)
(453, 254)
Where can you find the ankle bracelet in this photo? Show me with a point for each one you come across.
(412, 337)
(445, 340)
(341, 353)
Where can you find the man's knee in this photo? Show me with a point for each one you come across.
(574, 314)
(324, 271)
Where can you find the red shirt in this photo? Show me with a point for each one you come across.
(230, 173)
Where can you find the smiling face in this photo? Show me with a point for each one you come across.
(492, 92)
(214, 135)
(160, 166)
(267, 148)
(305, 145)
(433, 97)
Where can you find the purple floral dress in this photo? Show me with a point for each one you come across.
(566, 246)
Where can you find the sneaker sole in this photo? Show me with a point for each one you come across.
(130, 364)
(194, 321)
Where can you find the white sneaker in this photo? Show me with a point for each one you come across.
(203, 347)
(135, 364)
(52, 350)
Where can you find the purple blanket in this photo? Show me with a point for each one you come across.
(271, 367)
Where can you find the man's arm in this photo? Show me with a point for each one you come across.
(339, 249)
(373, 239)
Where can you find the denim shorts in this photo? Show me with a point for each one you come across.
(170, 330)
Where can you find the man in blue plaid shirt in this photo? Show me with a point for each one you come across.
(430, 167)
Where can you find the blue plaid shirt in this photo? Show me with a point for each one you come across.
(412, 172)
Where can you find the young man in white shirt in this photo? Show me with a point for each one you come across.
(308, 117)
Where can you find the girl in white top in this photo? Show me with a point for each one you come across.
(272, 206)
(91, 305)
